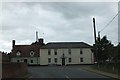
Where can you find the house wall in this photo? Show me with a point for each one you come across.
(75, 56)
(21, 59)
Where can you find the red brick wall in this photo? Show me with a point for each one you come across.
(12, 70)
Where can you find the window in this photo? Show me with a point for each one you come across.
(81, 59)
(18, 53)
(69, 51)
(81, 52)
(32, 53)
(55, 51)
(18, 60)
(49, 60)
(49, 53)
(69, 59)
(55, 60)
(25, 60)
(31, 61)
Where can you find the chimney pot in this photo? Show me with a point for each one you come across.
(41, 41)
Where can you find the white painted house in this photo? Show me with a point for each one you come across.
(66, 53)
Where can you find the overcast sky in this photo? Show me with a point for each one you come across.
(56, 22)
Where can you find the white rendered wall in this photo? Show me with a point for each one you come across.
(75, 56)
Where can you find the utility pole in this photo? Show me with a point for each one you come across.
(94, 30)
(98, 34)
(36, 36)
(96, 57)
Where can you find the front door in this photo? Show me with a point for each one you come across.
(63, 61)
(25, 60)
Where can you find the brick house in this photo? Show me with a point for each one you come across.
(26, 53)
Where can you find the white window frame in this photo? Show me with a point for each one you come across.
(49, 51)
(55, 52)
(32, 53)
(81, 51)
(49, 60)
(69, 51)
(31, 61)
(81, 59)
(70, 60)
(18, 53)
(55, 60)
(18, 61)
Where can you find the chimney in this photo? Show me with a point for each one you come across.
(41, 41)
(13, 43)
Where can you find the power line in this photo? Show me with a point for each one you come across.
(110, 21)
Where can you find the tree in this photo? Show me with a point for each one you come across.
(104, 50)
(116, 54)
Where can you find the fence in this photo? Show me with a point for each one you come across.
(13, 70)
(109, 67)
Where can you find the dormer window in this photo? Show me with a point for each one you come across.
(32, 53)
(18, 53)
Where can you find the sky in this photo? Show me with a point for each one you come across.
(56, 22)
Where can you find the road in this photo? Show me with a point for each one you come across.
(67, 72)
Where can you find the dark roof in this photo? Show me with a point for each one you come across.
(66, 45)
(25, 50)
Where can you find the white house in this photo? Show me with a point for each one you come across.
(66, 53)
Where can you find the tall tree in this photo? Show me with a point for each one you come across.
(104, 49)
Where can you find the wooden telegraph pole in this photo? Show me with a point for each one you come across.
(96, 57)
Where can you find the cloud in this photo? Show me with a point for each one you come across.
(71, 21)
(81, 9)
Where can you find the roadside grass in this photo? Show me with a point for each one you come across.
(107, 67)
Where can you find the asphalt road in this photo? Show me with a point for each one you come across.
(67, 72)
